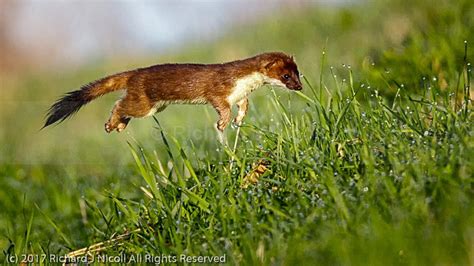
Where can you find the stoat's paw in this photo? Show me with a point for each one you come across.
(109, 127)
(236, 123)
(121, 127)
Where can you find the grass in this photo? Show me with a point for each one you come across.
(343, 183)
(370, 164)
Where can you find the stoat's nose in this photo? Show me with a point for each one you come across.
(298, 86)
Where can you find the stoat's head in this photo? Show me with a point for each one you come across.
(281, 70)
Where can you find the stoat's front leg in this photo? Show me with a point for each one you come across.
(243, 107)
(224, 111)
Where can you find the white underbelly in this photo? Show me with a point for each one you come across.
(160, 105)
(245, 85)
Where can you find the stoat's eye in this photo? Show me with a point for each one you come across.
(286, 76)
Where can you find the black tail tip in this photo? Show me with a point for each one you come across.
(49, 121)
(65, 107)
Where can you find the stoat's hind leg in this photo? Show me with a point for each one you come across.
(123, 123)
(130, 107)
(117, 121)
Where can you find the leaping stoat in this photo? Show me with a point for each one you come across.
(149, 90)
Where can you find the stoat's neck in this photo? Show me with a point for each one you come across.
(246, 84)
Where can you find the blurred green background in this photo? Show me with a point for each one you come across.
(417, 38)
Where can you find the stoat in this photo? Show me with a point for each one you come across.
(149, 90)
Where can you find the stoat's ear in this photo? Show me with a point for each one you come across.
(292, 58)
(270, 64)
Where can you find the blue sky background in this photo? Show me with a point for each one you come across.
(57, 31)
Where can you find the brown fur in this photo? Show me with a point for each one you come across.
(147, 87)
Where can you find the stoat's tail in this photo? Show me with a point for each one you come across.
(72, 101)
